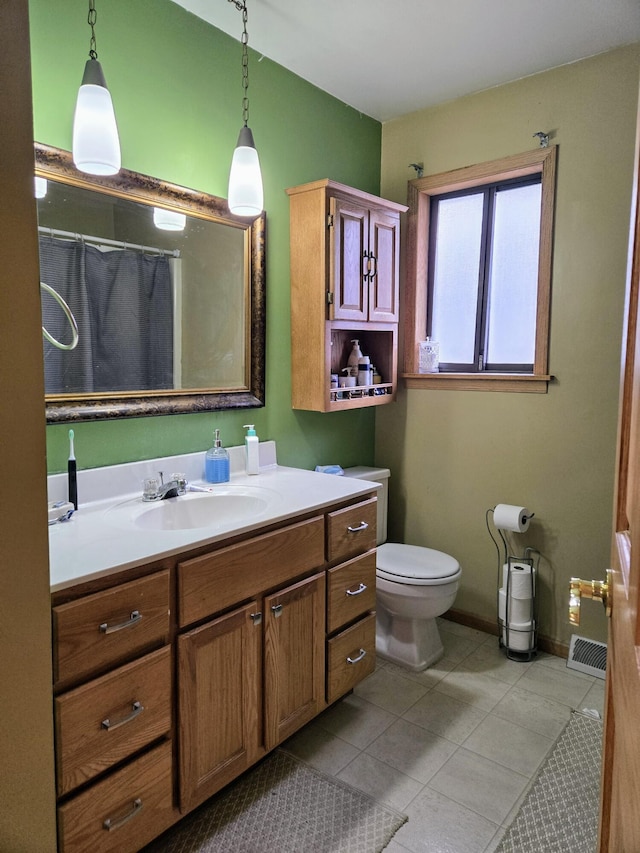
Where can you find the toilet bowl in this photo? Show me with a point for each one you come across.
(414, 585)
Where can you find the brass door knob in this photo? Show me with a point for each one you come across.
(579, 589)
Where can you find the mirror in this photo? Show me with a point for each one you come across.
(167, 321)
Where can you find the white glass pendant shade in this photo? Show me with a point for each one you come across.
(96, 145)
(246, 197)
(169, 220)
(41, 187)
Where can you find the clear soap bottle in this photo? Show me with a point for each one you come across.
(216, 463)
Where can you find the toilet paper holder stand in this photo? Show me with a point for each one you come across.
(517, 611)
(517, 602)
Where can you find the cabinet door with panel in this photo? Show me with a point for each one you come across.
(365, 262)
(219, 697)
(294, 637)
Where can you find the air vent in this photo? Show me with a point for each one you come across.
(588, 656)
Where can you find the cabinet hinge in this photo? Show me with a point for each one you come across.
(329, 297)
(329, 220)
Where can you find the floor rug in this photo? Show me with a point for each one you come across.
(560, 810)
(286, 806)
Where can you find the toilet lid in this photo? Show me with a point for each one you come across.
(413, 564)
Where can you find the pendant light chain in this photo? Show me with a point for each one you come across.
(91, 20)
(242, 7)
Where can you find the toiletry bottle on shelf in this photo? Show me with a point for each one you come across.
(216, 464)
(354, 356)
(251, 450)
(364, 370)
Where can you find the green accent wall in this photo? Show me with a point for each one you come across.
(176, 87)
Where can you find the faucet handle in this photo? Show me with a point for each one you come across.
(181, 482)
(151, 489)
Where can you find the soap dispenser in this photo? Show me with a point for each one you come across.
(354, 357)
(216, 464)
(251, 448)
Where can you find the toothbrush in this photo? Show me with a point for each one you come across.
(71, 469)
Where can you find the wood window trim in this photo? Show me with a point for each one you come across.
(540, 161)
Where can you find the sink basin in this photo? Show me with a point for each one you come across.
(221, 507)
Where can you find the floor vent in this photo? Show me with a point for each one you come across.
(588, 656)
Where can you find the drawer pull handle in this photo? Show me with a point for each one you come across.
(357, 659)
(360, 589)
(135, 617)
(362, 526)
(137, 710)
(277, 610)
(110, 824)
(257, 618)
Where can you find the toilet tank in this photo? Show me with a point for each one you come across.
(376, 475)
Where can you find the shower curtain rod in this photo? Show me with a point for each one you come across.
(103, 241)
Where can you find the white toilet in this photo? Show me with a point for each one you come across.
(414, 586)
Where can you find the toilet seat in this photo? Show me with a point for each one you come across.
(412, 564)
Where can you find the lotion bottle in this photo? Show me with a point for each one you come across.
(216, 463)
(251, 449)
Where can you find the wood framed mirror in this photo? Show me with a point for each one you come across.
(168, 321)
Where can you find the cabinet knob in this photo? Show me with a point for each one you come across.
(277, 610)
(256, 618)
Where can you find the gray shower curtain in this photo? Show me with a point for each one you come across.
(122, 301)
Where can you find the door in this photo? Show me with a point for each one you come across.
(620, 817)
(294, 665)
(219, 701)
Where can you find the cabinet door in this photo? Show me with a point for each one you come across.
(294, 657)
(219, 690)
(349, 241)
(384, 249)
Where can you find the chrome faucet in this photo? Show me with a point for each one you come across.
(158, 490)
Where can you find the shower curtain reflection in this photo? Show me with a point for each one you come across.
(122, 301)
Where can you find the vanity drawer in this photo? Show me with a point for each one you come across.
(216, 581)
(350, 657)
(351, 590)
(109, 627)
(122, 813)
(352, 530)
(112, 717)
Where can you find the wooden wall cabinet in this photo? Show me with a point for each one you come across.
(345, 267)
(172, 684)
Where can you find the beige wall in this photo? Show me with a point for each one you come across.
(27, 811)
(455, 454)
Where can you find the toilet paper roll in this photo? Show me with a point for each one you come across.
(519, 608)
(517, 580)
(514, 518)
(520, 637)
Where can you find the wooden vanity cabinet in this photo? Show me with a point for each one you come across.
(156, 712)
(345, 262)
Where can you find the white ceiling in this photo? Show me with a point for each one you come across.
(387, 58)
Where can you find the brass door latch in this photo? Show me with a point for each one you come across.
(579, 589)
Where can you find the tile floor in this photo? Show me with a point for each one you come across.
(453, 747)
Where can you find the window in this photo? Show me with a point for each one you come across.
(479, 272)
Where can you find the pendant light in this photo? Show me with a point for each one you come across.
(96, 146)
(245, 179)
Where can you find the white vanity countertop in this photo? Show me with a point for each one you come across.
(96, 542)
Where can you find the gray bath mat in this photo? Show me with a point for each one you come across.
(284, 805)
(560, 811)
